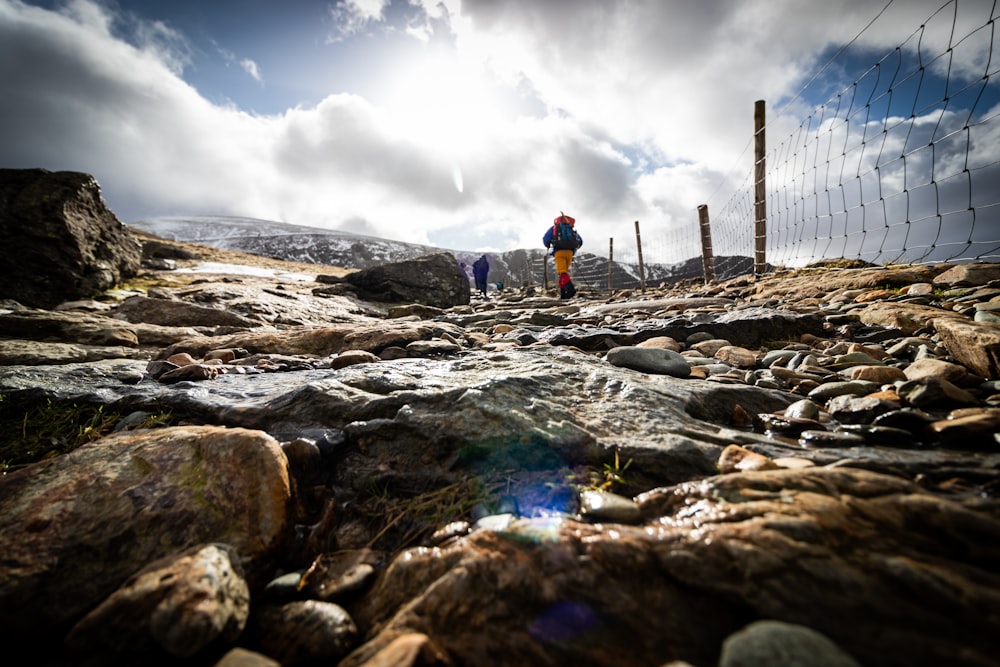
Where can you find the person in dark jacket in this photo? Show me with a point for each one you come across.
(480, 270)
(563, 243)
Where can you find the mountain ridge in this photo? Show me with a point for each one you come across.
(348, 250)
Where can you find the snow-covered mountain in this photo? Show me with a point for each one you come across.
(313, 245)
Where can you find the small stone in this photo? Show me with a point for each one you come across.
(432, 348)
(241, 657)
(830, 439)
(803, 409)
(737, 356)
(968, 430)
(305, 631)
(879, 374)
(883, 435)
(193, 372)
(352, 357)
(784, 425)
(181, 359)
(935, 368)
(742, 418)
(284, 588)
(830, 390)
(710, 347)
(661, 343)
(852, 359)
(450, 531)
(793, 462)
(780, 357)
(738, 459)
(596, 505)
(225, 356)
(649, 360)
(782, 644)
(935, 392)
(858, 409)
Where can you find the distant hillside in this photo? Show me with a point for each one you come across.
(279, 240)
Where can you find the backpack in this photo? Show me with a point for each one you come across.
(563, 236)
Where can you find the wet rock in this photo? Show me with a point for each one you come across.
(597, 505)
(179, 313)
(351, 357)
(341, 576)
(189, 373)
(305, 632)
(830, 439)
(756, 540)
(176, 606)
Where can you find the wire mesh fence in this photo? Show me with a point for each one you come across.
(900, 166)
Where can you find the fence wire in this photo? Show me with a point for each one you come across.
(902, 166)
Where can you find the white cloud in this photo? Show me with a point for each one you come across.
(353, 16)
(641, 111)
(250, 67)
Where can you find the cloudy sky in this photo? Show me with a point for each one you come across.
(465, 124)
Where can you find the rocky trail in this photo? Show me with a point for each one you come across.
(800, 468)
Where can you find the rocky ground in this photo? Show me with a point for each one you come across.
(804, 464)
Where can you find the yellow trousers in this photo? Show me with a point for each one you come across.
(563, 260)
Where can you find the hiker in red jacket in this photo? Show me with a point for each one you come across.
(563, 241)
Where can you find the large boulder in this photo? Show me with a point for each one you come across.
(74, 528)
(892, 574)
(433, 280)
(58, 239)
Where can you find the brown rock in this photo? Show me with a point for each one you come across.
(737, 459)
(179, 313)
(308, 631)
(662, 342)
(58, 238)
(880, 374)
(929, 368)
(962, 275)
(846, 552)
(410, 650)
(975, 344)
(737, 356)
(908, 318)
(73, 528)
(176, 606)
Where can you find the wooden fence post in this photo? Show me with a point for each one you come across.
(759, 192)
(611, 263)
(707, 258)
(642, 269)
